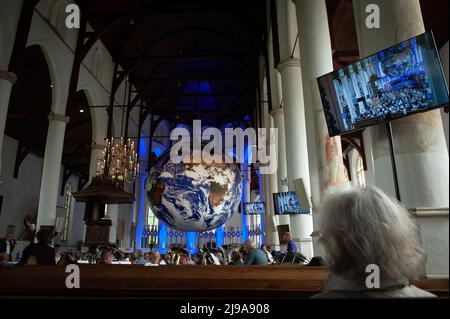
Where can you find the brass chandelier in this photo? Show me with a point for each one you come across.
(120, 162)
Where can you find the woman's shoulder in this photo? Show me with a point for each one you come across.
(409, 291)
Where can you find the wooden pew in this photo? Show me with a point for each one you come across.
(281, 281)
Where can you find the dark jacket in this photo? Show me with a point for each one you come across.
(255, 257)
(45, 255)
(3, 246)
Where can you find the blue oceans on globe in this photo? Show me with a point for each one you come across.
(193, 196)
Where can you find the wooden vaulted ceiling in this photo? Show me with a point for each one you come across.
(187, 59)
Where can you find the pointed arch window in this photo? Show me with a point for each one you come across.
(68, 204)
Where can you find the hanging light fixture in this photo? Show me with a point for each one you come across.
(120, 162)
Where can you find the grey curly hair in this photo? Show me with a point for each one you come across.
(362, 226)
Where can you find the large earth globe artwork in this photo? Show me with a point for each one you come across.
(193, 196)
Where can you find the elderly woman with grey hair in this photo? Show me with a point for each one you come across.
(366, 233)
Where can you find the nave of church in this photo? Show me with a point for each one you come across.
(228, 149)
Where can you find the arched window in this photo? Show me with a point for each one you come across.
(360, 176)
(357, 171)
(68, 203)
(150, 237)
(347, 181)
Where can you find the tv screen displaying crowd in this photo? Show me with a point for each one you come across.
(393, 83)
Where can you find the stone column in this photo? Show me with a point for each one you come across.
(421, 151)
(275, 120)
(246, 221)
(325, 154)
(113, 214)
(296, 146)
(326, 162)
(270, 180)
(51, 170)
(7, 80)
(270, 221)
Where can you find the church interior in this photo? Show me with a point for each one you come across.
(287, 149)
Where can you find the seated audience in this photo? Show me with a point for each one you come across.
(243, 252)
(185, 260)
(7, 245)
(4, 259)
(30, 227)
(58, 256)
(219, 257)
(236, 258)
(316, 261)
(254, 256)
(42, 251)
(31, 261)
(291, 246)
(106, 257)
(134, 258)
(155, 258)
(165, 259)
(64, 260)
(362, 227)
(269, 256)
(198, 258)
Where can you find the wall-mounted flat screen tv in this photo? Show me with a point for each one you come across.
(399, 81)
(254, 208)
(287, 203)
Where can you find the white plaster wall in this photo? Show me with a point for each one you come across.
(20, 196)
(434, 233)
(75, 232)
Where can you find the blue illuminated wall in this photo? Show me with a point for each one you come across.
(261, 199)
(220, 236)
(191, 241)
(244, 199)
(162, 238)
(143, 155)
